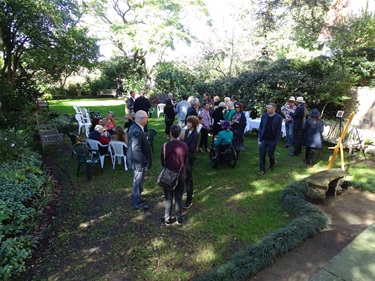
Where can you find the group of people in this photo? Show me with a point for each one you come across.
(190, 135)
(225, 121)
(299, 132)
(106, 130)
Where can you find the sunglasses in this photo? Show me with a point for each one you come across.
(236, 107)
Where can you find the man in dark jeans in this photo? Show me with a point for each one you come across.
(269, 133)
(299, 116)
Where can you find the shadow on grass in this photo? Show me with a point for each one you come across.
(103, 238)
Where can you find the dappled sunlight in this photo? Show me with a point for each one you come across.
(206, 254)
(91, 250)
(90, 102)
(243, 195)
(89, 223)
(157, 243)
(233, 208)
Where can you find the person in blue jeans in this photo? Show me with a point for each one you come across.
(269, 133)
(286, 109)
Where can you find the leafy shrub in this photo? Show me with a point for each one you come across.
(63, 122)
(13, 144)
(174, 78)
(322, 82)
(24, 193)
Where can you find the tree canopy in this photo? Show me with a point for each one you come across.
(43, 36)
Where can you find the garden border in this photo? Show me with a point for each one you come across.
(309, 221)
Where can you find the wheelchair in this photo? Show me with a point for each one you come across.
(224, 152)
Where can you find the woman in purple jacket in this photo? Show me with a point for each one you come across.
(174, 155)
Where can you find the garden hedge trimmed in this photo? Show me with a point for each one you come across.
(309, 221)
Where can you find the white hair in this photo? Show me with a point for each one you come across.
(98, 128)
(195, 101)
(230, 105)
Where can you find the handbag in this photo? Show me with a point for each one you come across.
(167, 178)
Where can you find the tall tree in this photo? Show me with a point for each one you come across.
(146, 29)
(38, 33)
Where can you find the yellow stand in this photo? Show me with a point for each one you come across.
(340, 146)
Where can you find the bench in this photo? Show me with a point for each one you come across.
(321, 182)
(50, 136)
(107, 92)
(42, 104)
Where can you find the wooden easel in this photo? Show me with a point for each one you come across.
(340, 146)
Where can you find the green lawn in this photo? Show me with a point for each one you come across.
(102, 238)
(102, 105)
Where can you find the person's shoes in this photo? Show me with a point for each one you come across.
(143, 208)
(168, 222)
(185, 195)
(207, 149)
(293, 154)
(286, 146)
(290, 148)
(271, 166)
(309, 165)
(261, 173)
(179, 221)
(201, 149)
(188, 205)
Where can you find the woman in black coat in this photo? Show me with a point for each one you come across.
(169, 115)
(217, 116)
(238, 127)
(312, 135)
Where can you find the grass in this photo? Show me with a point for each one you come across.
(103, 238)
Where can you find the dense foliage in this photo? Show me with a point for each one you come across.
(24, 193)
(174, 78)
(41, 42)
(321, 81)
(120, 72)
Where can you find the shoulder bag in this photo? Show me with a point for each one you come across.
(167, 178)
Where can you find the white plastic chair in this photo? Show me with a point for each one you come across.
(85, 115)
(116, 149)
(160, 109)
(77, 109)
(83, 126)
(94, 144)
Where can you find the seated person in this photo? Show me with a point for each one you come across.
(120, 135)
(108, 122)
(101, 135)
(225, 136)
(95, 121)
(130, 121)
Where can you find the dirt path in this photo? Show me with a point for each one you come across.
(351, 213)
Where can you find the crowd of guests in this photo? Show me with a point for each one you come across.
(200, 126)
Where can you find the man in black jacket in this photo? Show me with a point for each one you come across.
(142, 103)
(193, 110)
(269, 133)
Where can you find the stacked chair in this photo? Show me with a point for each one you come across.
(83, 119)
